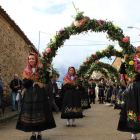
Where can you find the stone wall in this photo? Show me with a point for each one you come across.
(13, 53)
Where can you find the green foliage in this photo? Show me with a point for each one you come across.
(113, 33)
(54, 72)
(79, 16)
(101, 67)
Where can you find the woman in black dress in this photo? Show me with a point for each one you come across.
(92, 94)
(108, 93)
(101, 86)
(84, 96)
(119, 99)
(35, 115)
(130, 115)
(71, 108)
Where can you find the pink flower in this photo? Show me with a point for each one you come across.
(127, 37)
(86, 19)
(85, 79)
(135, 58)
(48, 50)
(61, 32)
(80, 21)
(125, 40)
(89, 58)
(101, 22)
(43, 53)
(86, 61)
(41, 66)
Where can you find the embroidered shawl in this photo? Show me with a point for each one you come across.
(28, 73)
(67, 78)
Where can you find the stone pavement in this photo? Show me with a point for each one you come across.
(8, 114)
(100, 123)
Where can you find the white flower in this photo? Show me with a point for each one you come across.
(54, 40)
(75, 23)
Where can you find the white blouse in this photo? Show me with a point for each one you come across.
(33, 70)
(72, 78)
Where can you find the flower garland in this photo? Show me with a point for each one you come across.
(90, 71)
(80, 25)
(99, 66)
(108, 52)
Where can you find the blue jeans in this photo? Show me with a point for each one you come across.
(14, 100)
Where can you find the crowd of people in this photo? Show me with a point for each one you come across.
(37, 100)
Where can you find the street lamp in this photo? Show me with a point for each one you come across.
(130, 27)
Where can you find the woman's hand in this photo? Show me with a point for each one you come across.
(31, 77)
(40, 84)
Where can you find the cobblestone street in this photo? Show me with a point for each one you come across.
(100, 123)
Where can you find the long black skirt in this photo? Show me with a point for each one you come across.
(108, 95)
(35, 114)
(71, 108)
(130, 115)
(84, 99)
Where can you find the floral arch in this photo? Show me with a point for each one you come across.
(82, 24)
(111, 72)
(98, 76)
(108, 52)
(100, 66)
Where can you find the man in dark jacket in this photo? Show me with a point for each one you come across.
(15, 86)
(52, 90)
(1, 90)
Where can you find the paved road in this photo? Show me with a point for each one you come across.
(100, 123)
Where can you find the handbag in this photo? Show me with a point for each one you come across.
(18, 97)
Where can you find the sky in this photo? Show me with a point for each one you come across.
(49, 16)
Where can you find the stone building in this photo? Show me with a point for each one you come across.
(14, 49)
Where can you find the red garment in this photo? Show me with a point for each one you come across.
(68, 77)
(28, 69)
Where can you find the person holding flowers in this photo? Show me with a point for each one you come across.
(71, 108)
(84, 95)
(129, 119)
(35, 115)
